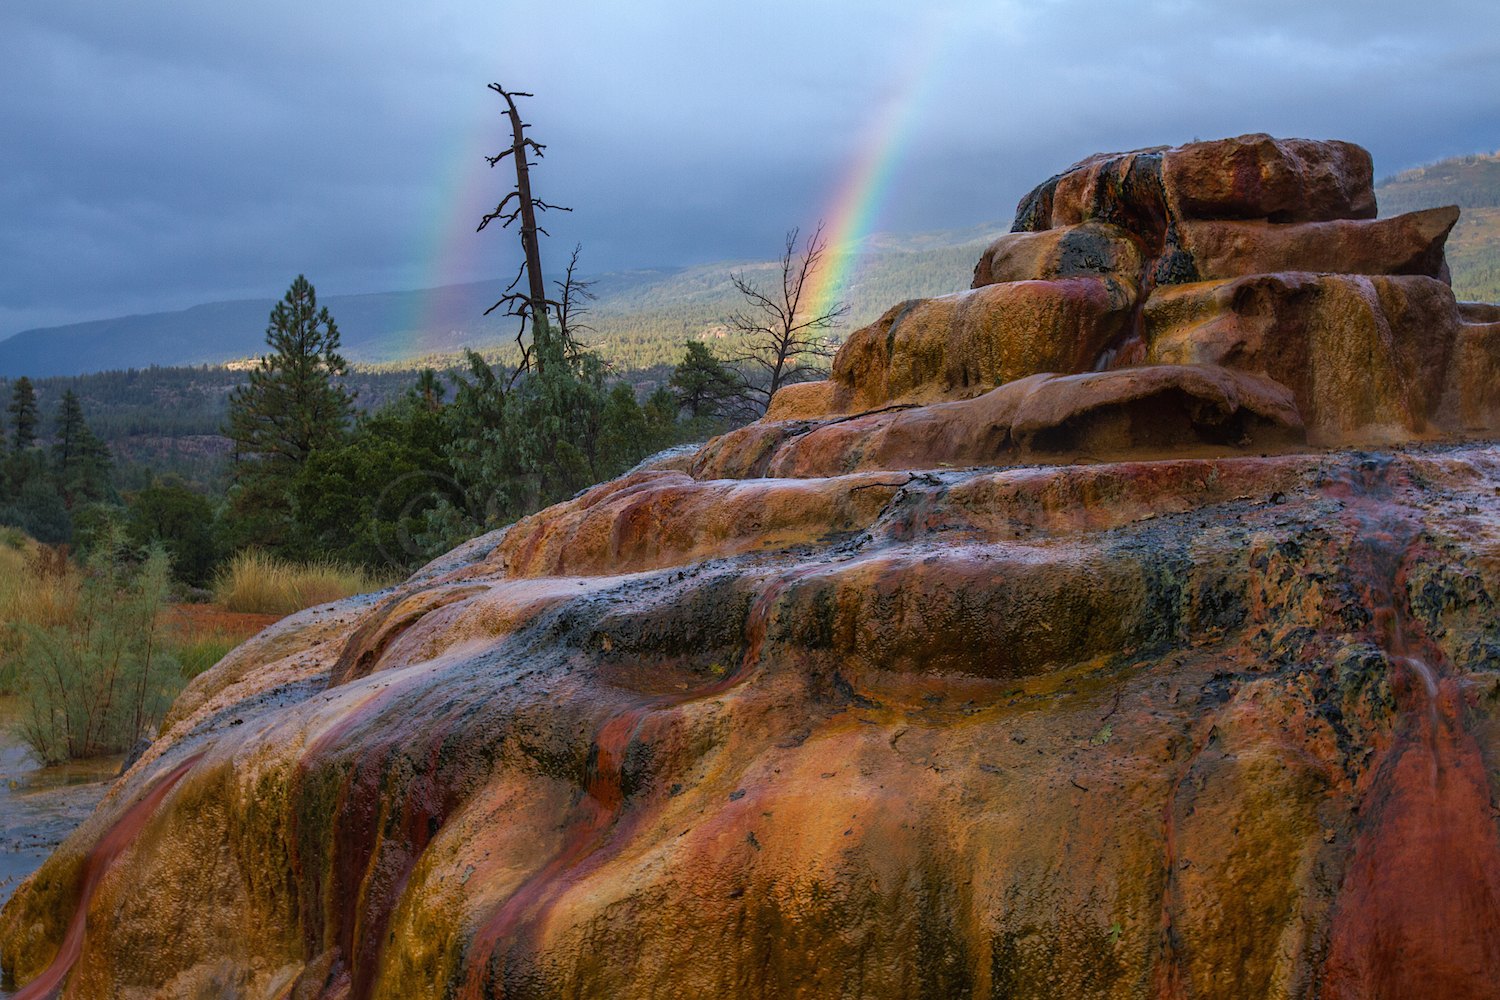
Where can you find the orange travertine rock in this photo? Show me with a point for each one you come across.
(1479, 312)
(1250, 177)
(1068, 731)
(651, 520)
(1073, 251)
(1120, 188)
(963, 345)
(1157, 408)
(1146, 411)
(807, 401)
(1280, 180)
(1405, 244)
(1471, 399)
(1366, 357)
(841, 706)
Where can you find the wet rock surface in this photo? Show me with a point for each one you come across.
(1101, 682)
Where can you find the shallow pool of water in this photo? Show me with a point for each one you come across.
(40, 806)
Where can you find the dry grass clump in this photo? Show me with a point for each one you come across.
(256, 583)
(37, 587)
(36, 582)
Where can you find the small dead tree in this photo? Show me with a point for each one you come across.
(784, 341)
(533, 303)
(573, 292)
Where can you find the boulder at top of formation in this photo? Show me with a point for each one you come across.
(1249, 177)
(1031, 654)
(1257, 254)
(1279, 180)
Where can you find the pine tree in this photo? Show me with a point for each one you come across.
(80, 460)
(72, 439)
(23, 415)
(290, 409)
(428, 392)
(702, 382)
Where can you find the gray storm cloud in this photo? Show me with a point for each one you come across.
(158, 155)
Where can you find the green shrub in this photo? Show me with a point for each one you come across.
(39, 512)
(98, 675)
(182, 521)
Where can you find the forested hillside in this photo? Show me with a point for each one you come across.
(639, 318)
(1473, 184)
(168, 420)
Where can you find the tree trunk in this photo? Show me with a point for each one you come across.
(529, 241)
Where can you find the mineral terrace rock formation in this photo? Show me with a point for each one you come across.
(869, 702)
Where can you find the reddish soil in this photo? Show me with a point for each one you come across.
(209, 619)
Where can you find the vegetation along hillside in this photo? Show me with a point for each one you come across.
(1473, 184)
(640, 318)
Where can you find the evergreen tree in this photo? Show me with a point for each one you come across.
(626, 434)
(428, 392)
(541, 440)
(23, 415)
(702, 382)
(37, 508)
(70, 432)
(80, 460)
(170, 514)
(364, 501)
(290, 409)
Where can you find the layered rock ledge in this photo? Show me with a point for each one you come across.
(1118, 678)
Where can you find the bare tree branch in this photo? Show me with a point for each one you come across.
(570, 306)
(786, 344)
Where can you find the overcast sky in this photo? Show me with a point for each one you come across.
(159, 154)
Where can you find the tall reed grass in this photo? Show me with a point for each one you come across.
(258, 583)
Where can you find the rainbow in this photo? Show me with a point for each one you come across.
(450, 247)
(863, 192)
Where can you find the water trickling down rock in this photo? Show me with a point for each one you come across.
(1061, 644)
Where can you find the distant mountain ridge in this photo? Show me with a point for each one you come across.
(640, 317)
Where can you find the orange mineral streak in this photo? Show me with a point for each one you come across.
(596, 830)
(95, 867)
(589, 827)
